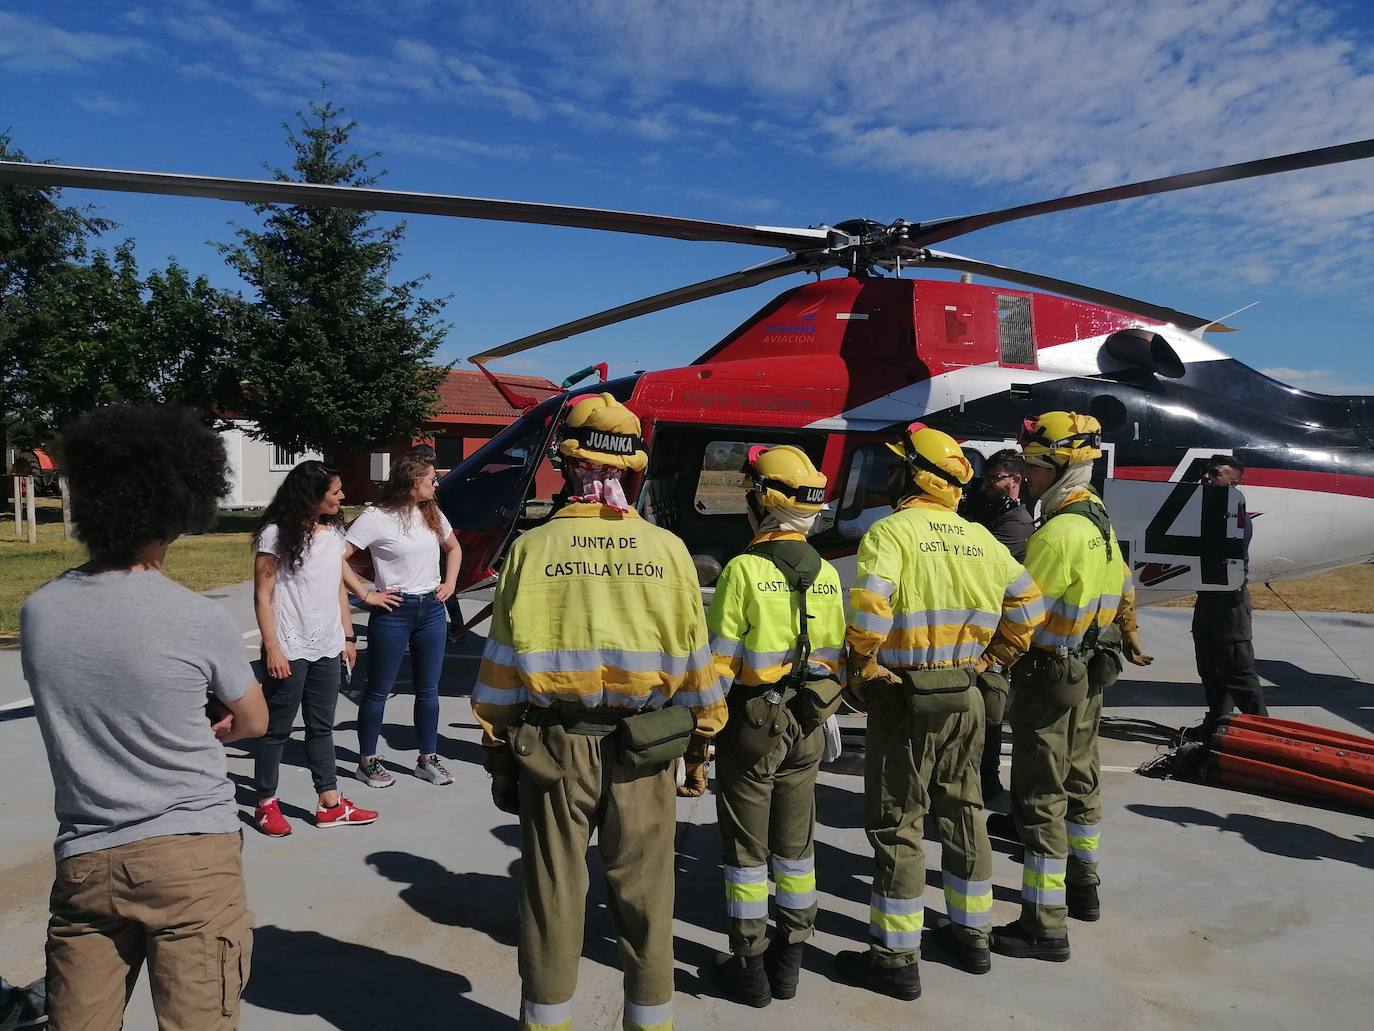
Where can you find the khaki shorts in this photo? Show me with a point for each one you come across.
(176, 902)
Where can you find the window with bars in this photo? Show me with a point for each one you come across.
(1015, 338)
(282, 458)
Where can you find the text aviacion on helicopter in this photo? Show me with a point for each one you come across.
(836, 366)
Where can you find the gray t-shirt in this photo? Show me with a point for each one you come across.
(120, 664)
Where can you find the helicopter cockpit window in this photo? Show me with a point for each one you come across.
(489, 490)
(718, 488)
(1016, 341)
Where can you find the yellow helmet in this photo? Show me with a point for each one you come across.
(936, 462)
(784, 475)
(1058, 438)
(602, 430)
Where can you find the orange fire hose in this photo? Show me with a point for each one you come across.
(1240, 771)
(1319, 759)
(1301, 732)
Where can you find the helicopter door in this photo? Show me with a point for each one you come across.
(485, 496)
(693, 487)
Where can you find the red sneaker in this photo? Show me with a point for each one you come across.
(269, 819)
(342, 814)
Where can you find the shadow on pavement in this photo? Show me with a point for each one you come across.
(481, 901)
(1344, 697)
(308, 973)
(1276, 837)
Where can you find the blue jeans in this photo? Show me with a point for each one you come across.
(418, 622)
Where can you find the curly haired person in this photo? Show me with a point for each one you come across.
(136, 681)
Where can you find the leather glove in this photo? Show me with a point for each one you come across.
(505, 779)
(981, 664)
(1132, 650)
(696, 760)
(694, 785)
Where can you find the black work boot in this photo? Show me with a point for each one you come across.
(742, 979)
(1019, 942)
(1083, 902)
(970, 957)
(782, 962)
(857, 968)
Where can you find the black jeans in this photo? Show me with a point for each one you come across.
(316, 683)
(1225, 653)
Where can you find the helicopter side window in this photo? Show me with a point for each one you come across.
(865, 499)
(718, 487)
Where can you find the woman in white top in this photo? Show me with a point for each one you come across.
(403, 533)
(307, 629)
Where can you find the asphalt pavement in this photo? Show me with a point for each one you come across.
(1220, 909)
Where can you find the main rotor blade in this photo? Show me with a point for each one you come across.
(943, 229)
(682, 295)
(942, 259)
(366, 198)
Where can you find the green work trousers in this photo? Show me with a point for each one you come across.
(634, 812)
(1056, 793)
(767, 810)
(917, 764)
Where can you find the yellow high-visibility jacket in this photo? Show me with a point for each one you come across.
(936, 591)
(753, 620)
(1067, 558)
(600, 609)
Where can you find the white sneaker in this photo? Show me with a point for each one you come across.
(374, 774)
(428, 767)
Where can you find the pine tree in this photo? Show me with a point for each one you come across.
(334, 355)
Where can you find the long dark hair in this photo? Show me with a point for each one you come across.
(293, 510)
(398, 493)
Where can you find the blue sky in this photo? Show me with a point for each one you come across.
(785, 113)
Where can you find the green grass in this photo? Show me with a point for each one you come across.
(203, 562)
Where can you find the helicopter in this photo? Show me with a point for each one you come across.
(837, 366)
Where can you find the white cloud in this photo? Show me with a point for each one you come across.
(103, 104)
(30, 45)
(1321, 381)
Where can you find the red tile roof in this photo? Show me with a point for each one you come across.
(469, 393)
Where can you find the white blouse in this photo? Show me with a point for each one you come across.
(305, 602)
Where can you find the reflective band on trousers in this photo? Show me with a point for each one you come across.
(796, 881)
(648, 1018)
(1042, 880)
(746, 892)
(1084, 840)
(969, 902)
(896, 923)
(540, 1016)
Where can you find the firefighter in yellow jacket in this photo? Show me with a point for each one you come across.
(595, 675)
(777, 630)
(937, 600)
(1057, 689)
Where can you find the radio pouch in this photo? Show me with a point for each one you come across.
(757, 724)
(817, 700)
(1062, 679)
(938, 692)
(656, 736)
(540, 751)
(994, 689)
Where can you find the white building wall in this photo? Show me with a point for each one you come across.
(255, 467)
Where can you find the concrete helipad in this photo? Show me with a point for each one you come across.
(1221, 910)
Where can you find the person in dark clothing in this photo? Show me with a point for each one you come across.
(996, 503)
(1222, 635)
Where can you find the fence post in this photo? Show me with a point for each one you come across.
(18, 509)
(66, 506)
(33, 521)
